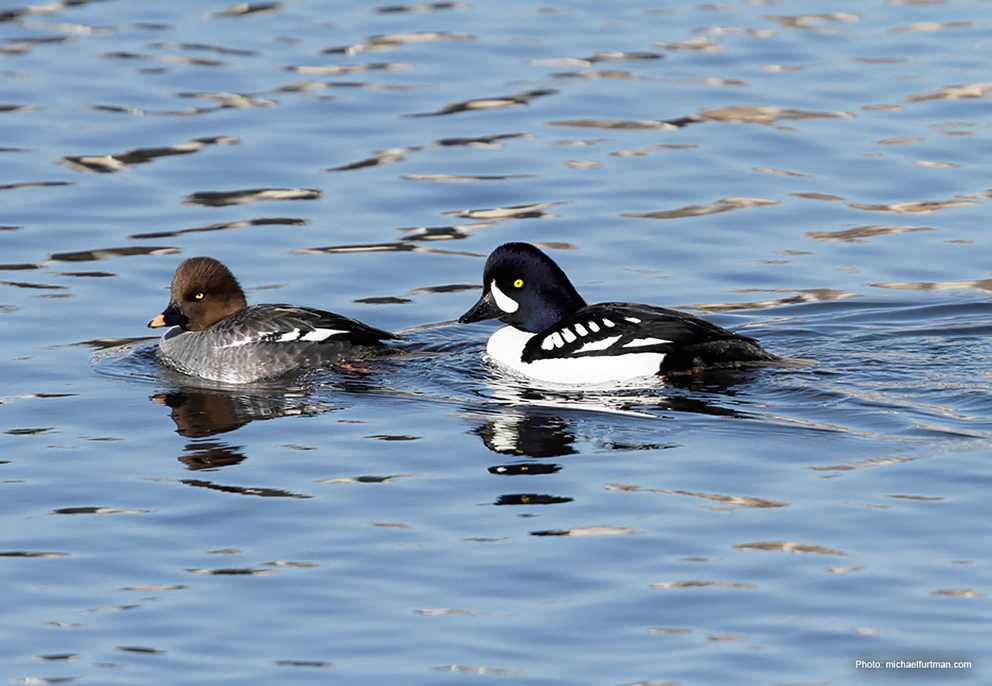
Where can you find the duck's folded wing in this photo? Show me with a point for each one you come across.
(288, 323)
(609, 329)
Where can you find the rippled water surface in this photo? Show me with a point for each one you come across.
(814, 174)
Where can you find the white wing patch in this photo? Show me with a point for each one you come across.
(594, 327)
(314, 336)
(601, 344)
(505, 302)
(581, 330)
(608, 323)
(552, 341)
(567, 333)
(634, 320)
(239, 342)
(640, 342)
(318, 335)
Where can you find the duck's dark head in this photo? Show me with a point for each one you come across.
(523, 287)
(204, 291)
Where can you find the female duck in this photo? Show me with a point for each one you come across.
(553, 335)
(217, 336)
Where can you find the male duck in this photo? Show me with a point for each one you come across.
(219, 337)
(553, 335)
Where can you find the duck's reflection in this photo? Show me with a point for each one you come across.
(539, 421)
(200, 413)
(532, 424)
(530, 434)
(210, 455)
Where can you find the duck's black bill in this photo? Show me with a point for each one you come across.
(170, 317)
(484, 309)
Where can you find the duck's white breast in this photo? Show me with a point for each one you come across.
(506, 347)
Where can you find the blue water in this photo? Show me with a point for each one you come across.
(813, 174)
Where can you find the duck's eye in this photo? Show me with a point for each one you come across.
(198, 295)
(519, 283)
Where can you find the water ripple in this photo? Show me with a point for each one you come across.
(497, 102)
(241, 197)
(722, 205)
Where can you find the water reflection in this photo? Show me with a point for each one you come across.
(56, 7)
(695, 44)
(419, 7)
(727, 502)
(860, 233)
(531, 499)
(535, 210)
(529, 434)
(245, 490)
(381, 247)
(819, 23)
(614, 56)
(210, 455)
(744, 114)
(722, 205)
(109, 164)
(109, 253)
(204, 47)
(495, 102)
(21, 46)
(628, 124)
(336, 69)
(534, 424)
(540, 423)
(465, 178)
(971, 90)
(490, 141)
(422, 234)
(805, 295)
(395, 40)
(221, 226)
(915, 207)
(380, 158)
(245, 8)
(33, 184)
(240, 197)
(400, 153)
(225, 100)
(200, 413)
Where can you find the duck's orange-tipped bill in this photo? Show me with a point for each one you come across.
(157, 322)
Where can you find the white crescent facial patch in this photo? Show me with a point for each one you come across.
(505, 302)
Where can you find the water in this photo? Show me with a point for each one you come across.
(813, 174)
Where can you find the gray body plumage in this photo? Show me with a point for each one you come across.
(265, 341)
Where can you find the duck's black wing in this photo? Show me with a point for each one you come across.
(609, 329)
(290, 323)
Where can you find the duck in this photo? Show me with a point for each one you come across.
(553, 335)
(217, 336)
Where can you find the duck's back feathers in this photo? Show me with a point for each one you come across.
(289, 323)
(612, 329)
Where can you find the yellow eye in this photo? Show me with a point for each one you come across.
(519, 283)
(198, 295)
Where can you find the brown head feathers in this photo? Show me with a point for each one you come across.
(204, 292)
